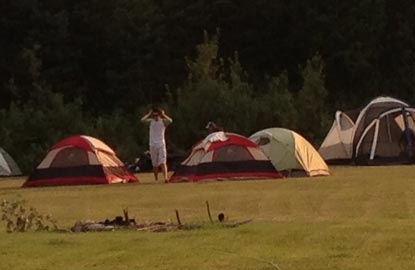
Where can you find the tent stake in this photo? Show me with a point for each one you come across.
(178, 217)
(208, 211)
(126, 217)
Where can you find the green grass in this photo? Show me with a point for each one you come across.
(358, 218)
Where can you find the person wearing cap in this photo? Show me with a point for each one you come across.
(158, 120)
(212, 127)
(216, 133)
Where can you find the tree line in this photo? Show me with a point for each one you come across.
(94, 67)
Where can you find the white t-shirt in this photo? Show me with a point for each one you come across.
(157, 130)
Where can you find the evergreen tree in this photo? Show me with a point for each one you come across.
(311, 101)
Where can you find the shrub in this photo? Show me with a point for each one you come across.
(21, 218)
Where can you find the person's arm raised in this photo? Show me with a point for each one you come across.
(146, 117)
(166, 118)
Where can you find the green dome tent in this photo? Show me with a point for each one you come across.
(290, 153)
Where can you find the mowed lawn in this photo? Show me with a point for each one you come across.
(358, 218)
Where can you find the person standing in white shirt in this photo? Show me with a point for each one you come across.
(158, 121)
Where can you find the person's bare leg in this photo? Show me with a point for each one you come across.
(156, 173)
(164, 170)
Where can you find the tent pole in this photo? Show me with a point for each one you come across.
(375, 140)
(369, 127)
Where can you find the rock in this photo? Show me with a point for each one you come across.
(96, 227)
(90, 226)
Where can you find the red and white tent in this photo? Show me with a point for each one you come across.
(79, 160)
(225, 156)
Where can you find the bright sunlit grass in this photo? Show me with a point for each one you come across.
(358, 218)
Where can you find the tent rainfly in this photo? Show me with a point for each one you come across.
(290, 153)
(225, 156)
(79, 160)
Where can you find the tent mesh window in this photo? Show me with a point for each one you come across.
(263, 141)
(195, 157)
(345, 123)
(70, 157)
(232, 153)
(388, 138)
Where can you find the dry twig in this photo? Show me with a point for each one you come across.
(208, 211)
(178, 217)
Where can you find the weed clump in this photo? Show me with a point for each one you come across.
(19, 217)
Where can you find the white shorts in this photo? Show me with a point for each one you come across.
(158, 155)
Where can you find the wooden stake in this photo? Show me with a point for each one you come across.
(178, 217)
(127, 219)
(208, 210)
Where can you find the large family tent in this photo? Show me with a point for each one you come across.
(8, 166)
(225, 156)
(79, 160)
(382, 132)
(290, 153)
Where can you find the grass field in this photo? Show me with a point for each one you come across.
(358, 218)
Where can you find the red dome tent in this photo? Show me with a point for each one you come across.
(79, 160)
(225, 156)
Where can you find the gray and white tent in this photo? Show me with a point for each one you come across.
(8, 166)
(381, 132)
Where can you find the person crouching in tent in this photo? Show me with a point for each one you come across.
(216, 133)
(158, 120)
(212, 127)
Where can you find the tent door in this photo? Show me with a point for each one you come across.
(359, 143)
(388, 126)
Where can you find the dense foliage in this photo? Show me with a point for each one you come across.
(94, 66)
